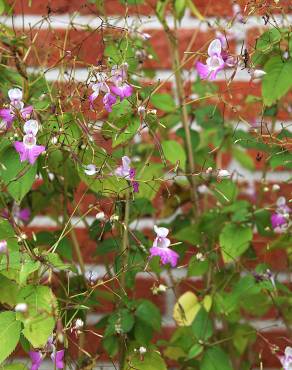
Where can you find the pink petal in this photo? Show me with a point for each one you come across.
(34, 152)
(22, 150)
(203, 70)
(36, 359)
(166, 255)
(57, 358)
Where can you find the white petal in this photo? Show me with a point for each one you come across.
(15, 94)
(126, 162)
(215, 47)
(90, 170)
(161, 231)
(31, 127)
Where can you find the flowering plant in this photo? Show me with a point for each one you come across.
(110, 173)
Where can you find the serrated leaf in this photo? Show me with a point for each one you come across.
(277, 81)
(9, 334)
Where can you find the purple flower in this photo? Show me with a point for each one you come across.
(97, 87)
(214, 63)
(21, 214)
(123, 91)
(31, 127)
(135, 186)
(161, 245)
(57, 358)
(109, 100)
(278, 220)
(286, 360)
(36, 359)
(27, 149)
(125, 170)
(15, 95)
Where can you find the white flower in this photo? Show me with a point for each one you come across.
(100, 216)
(79, 324)
(21, 307)
(257, 74)
(223, 174)
(90, 170)
(142, 350)
(276, 187)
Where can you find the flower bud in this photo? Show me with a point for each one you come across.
(223, 174)
(3, 246)
(21, 307)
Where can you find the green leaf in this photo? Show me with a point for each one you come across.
(180, 7)
(151, 360)
(174, 153)
(8, 291)
(111, 345)
(16, 366)
(195, 350)
(18, 176)
(197, 268)
(42, 308)
(7, 233)
(234, 241)
(9, 334)
(2, 6)
(243, 158)
(277, 82)
(268, 39)
(189, 234)
(148, 184)
(164, 102)
(127, 133)
(26, 269)
(226, 191)
(148, 313)
(202, 325)
(215, 359)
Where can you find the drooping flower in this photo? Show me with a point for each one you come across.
(28, 149)
(100, 86)
(214, 62)
(124, 169)
(57, 357)
(119, 77)
(161, 248)
(280, 218)
(286, 360)
(21, 307)
(108, 101)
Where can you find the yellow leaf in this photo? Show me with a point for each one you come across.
(207, 302)
(186, 309)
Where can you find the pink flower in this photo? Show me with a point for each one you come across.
(124, 169)
(109, 100)
(161, 245)
(27, 149)
(286, 360)
(123, 91)
(57, 358)
(280, 218)
(128, 173)
(36, 359)
(99, 86)
(119, 77)
(214, 63)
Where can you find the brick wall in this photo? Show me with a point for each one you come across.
(52, 40)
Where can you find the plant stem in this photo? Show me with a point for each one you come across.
(124, 257)
(185, 120)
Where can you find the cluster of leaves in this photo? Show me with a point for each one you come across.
(212, 220)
